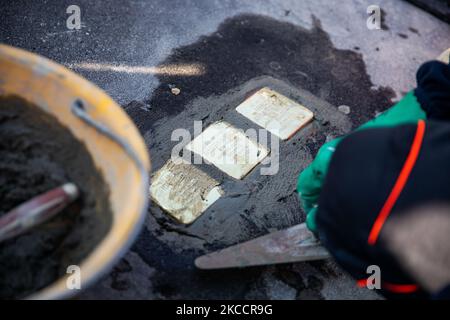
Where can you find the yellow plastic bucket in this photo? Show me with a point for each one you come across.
(110, 136)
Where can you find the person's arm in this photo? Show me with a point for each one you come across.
(310, 180)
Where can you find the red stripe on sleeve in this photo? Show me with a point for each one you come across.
(399, 184)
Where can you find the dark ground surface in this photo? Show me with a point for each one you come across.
(249, 46)
(439, 8)
(309, 52)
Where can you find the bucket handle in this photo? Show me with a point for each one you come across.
(79, 110)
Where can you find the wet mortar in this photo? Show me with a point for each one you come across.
(249, 46)
(38, 154)
(245, 53)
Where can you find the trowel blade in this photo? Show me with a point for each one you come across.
(294, 244)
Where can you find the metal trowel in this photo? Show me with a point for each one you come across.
(294, 244)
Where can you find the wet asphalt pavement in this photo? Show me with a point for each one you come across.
(322, 47)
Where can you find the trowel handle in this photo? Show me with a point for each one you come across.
(36, 211)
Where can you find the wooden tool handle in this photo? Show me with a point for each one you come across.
(36, 211)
